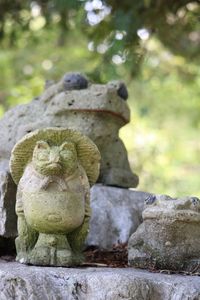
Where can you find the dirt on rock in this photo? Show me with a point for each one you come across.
(115, 258)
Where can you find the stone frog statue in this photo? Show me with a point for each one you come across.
(96, 110)
(169, 237)
(54, 168)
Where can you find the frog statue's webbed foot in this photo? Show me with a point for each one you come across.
(138, 254)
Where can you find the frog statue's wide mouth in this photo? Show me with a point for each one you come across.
(170, 215)
(108, 112)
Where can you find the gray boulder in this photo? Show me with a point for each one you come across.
(8, 218)
(116, 214)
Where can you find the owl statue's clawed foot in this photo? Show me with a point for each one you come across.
(52, 250)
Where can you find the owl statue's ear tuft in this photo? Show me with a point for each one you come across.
(42, 145)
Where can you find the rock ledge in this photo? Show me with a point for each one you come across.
(29, 282)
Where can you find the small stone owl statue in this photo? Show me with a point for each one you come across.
(54, 169)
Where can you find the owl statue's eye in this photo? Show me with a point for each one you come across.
(67, 146)
(67, 149)
(43, 155)
(65, 154)
(41, 151)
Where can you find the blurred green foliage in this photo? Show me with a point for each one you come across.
(152, 52)
(162, 139)
(114, 28)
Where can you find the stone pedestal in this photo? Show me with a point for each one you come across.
(38, 283)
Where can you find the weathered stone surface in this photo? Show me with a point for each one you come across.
(36, 283)
(116, 214)
(169, 237)
(8, 217)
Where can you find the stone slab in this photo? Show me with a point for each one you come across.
(116, 214)
(21, 282)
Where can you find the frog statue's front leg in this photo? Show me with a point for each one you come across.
(27, 237)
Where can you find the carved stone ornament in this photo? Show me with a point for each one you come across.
(53, 168)
(169, 237)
